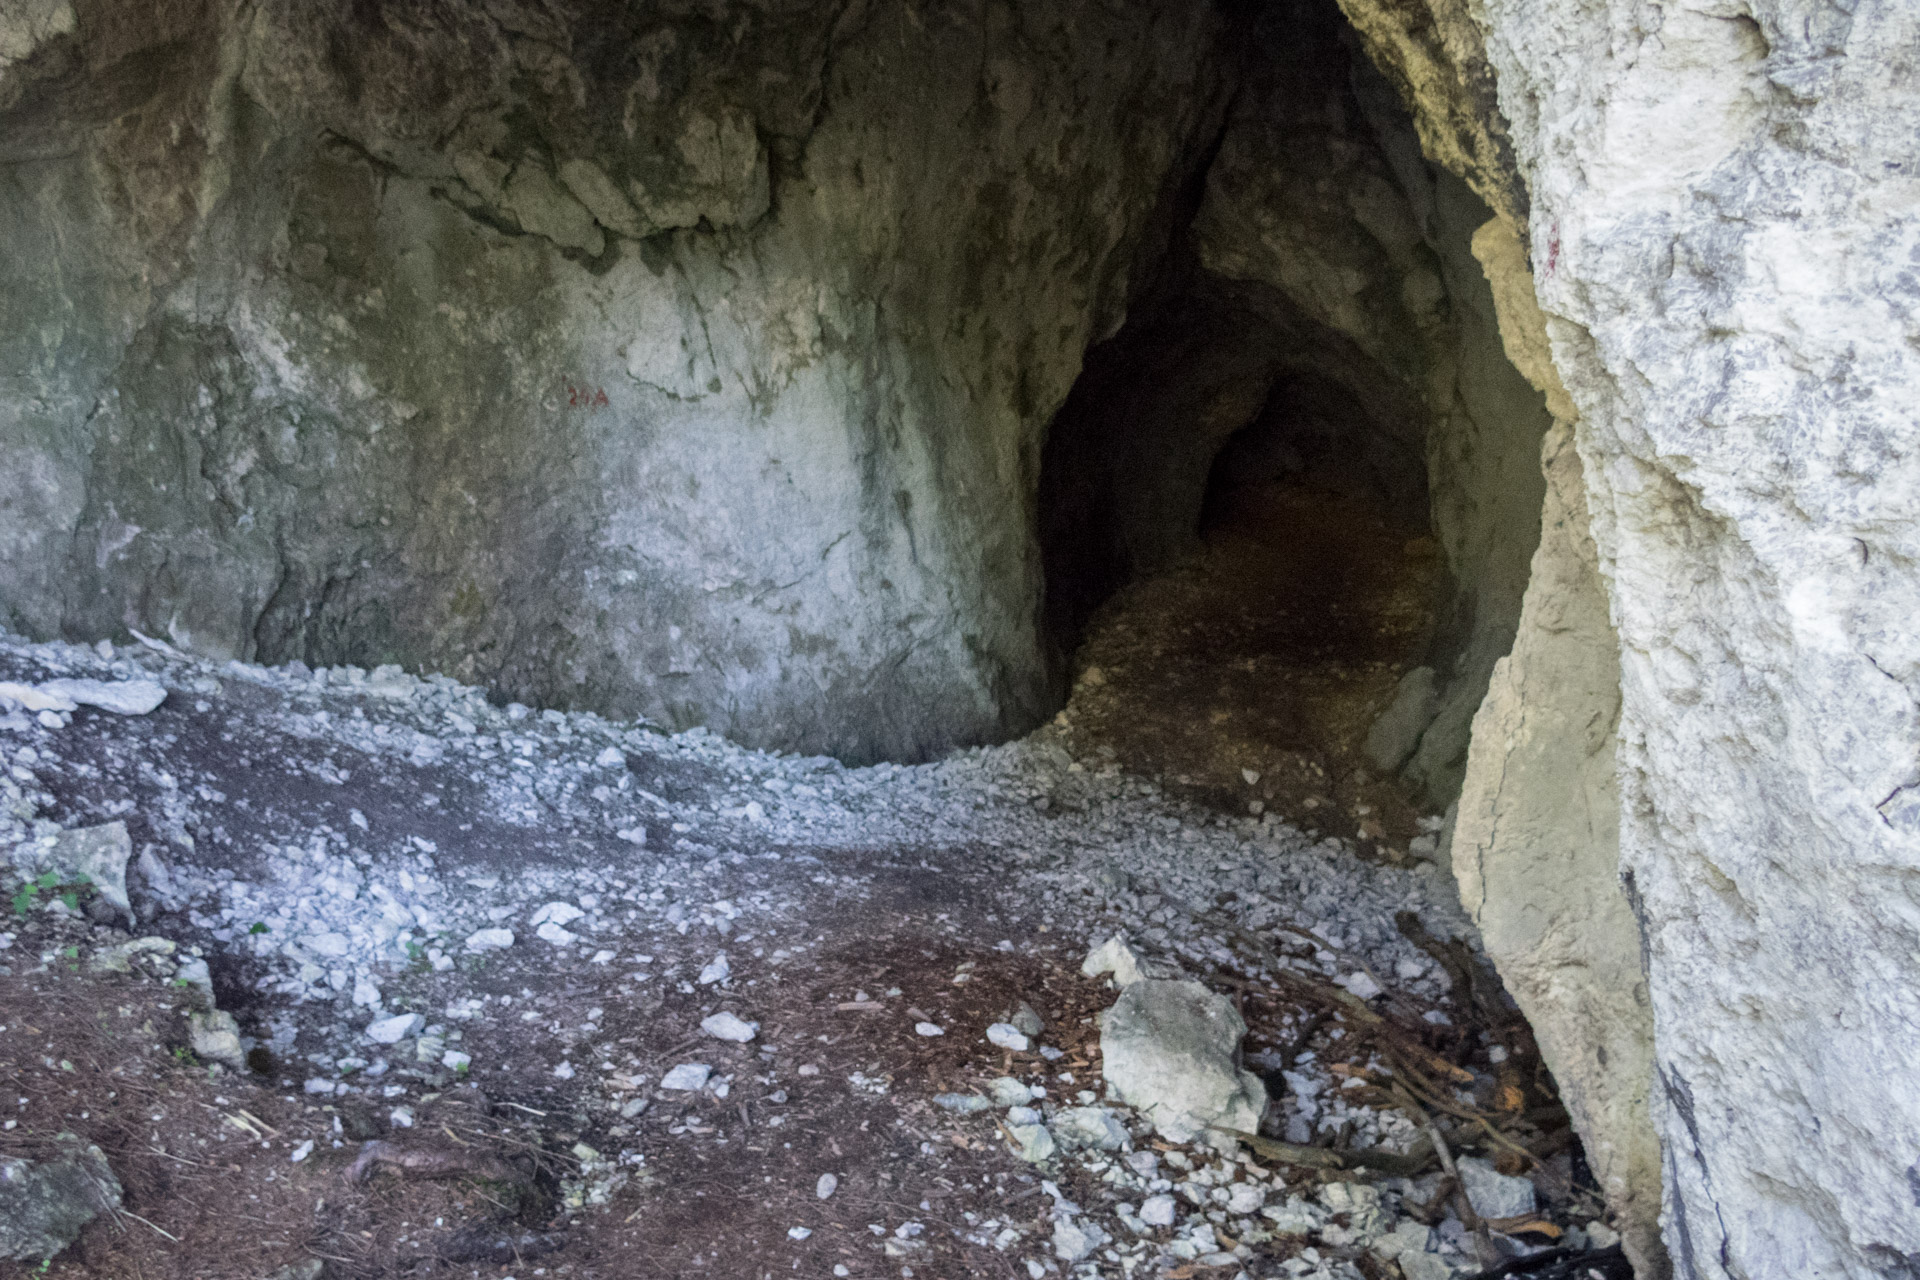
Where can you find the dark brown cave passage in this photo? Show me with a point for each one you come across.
(1250, 670)
(1298, 489)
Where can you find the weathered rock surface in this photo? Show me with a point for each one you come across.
(95, 856)
(1536, 851)
(45, 1203)
(1724, 227)
(1721, 229)
(1168, 1049)
(626, 360)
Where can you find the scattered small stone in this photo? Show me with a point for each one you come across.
(725, 1026)
(456, 1061)
(964, 1103)
(1167, 1049)
(826, 1186)
(1360, 984)
(1008, 1092)
(91, 855)
(490, 940)
(122, 697)
(716, 970)
(1031, 1142)
(561, 913)
(1076, 1238)
(1007, 1036)
(1093, 1127)
(1113, 956)
(688, 1077)
(1158, 1211)
(302, 1151)
(395, 1029)
(215, 1037)
(929, 1029)
(1494, 1194)
(1026, 1020)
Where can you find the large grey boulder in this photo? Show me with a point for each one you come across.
(1169, 1049)
(45, 1203)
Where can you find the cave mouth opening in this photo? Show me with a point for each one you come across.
(1286, 512)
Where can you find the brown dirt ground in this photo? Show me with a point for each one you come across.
(212, 1195)
(1272, 649)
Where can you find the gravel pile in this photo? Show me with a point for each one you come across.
(338, 839)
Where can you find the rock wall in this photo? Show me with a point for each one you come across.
(1724, 229)
(633, 359)
(1722, 226)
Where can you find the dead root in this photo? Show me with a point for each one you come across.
(430, 1162)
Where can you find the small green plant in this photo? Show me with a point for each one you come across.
(258, 926)
(50, 882)
(185, 1056)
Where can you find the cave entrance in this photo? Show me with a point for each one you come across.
(1287, 511)
(1250, 666)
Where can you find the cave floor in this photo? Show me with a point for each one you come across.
(467, 947)
(1247, 676)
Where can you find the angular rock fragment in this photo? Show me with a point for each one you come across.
(1168, 1049)
(45, 1203)
(215, 1037)
(90, 855)
(1114, 956)
(123, 697)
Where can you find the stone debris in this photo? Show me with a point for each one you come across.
(1494, 1194)
(1114, 957)
(1005, 1035)
(122, 697)
(726, 1026)
(1031, 1142)
(688, 1077)
(1089, 1127)
(1168, 1049)
(45, 1203)
(95, 856)
(215, 1037)
(826, 1186)
(337, 916)
(395, 1029)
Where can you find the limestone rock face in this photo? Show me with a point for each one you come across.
(615, 357)
(1722, 220)
(1536, 849)
(1723, 230)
